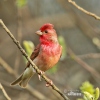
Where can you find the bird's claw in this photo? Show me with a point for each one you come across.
(39, 75)
(49, 83)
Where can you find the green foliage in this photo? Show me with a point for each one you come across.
(29, 47)
(97, 93)
(88, 96)
(63, 44)
(89, 92)
(21, 3)
(87, 87)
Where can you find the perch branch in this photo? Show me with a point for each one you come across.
(83, 10)
(31, 62)
(4, 92)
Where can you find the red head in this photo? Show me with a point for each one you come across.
(47, 34)
(46, 27)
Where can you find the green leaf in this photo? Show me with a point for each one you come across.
(29, 47)
(63, 44)
(21, 3)
(97, 93)
(88, 96)
(87, 87)
(90, 93)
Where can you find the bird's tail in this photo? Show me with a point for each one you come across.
(24, 78)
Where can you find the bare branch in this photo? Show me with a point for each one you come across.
(4, 92)
(31, 62)
(90, 55)
(83, 10)
(7, 67)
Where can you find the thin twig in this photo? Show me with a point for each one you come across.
(89, 55)
(83, 10)
(6, 84)
(4, 92)
(31, 62)
(7, 67)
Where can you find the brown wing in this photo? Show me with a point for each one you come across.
(34, 54)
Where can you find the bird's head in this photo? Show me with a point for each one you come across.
(47, 34)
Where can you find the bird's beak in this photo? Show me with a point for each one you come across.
(39, 32)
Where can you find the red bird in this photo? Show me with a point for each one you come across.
(45, 55)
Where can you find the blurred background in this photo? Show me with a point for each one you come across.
(78, 33)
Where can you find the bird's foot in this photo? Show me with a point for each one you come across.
(39, 75)
(49, 83)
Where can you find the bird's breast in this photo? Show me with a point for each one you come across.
(48, 57)
(50, 50)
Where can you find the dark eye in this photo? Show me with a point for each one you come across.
(46, 31)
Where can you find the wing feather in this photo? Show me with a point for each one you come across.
(34, 54)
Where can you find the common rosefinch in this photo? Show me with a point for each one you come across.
(45, 55)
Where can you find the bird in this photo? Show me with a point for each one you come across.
(45, 55)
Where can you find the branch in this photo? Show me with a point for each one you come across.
(83, 10)
(6, 84)
(4, 92)
(31, 62)
(90, 55)
(7, 67)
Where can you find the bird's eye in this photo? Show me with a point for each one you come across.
(46, 31)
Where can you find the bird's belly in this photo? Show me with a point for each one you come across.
(45, 62)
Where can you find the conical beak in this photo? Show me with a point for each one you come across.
(39, 32)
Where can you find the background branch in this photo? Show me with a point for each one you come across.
(83, 64)
(4, 92)
(83, 10)
(31, 62)
(7, 67)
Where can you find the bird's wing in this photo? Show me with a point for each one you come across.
(34, 54)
